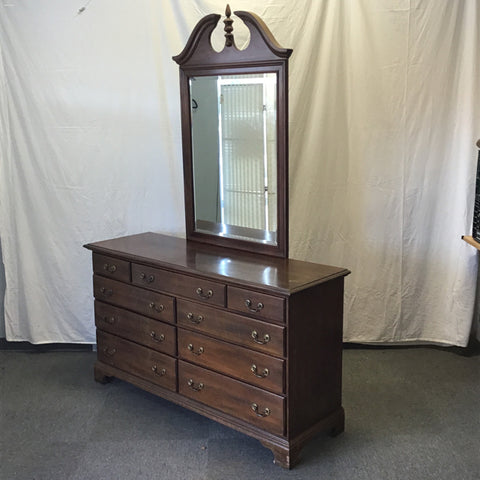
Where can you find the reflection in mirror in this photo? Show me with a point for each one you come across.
(234, 144)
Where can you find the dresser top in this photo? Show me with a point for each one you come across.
(284, 275)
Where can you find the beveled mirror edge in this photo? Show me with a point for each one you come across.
(262, 52)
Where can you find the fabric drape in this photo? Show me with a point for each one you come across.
(384, 104)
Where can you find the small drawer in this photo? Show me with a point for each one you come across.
(257, 304)
(111, 267)
(251, 404)
(137, 328)
(239, 362)
(245, 331)
(137, 360)
(191, 287)
(152, 304)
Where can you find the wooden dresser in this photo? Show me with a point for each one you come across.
(251, 341)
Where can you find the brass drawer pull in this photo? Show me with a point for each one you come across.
(198, 352)
(109, 268)
(254, 370)
(196, 319)
(199, 292)
(158, 308)
(159, 338)
(192, 385)
(266, 338)
(265, 413)
(148, 279)
(108, 292)
(109, 320)
(158, 372)
(249, 303)
(110, 351)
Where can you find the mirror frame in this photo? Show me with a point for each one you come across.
(262, 55)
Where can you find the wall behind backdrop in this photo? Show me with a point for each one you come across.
(384, 104)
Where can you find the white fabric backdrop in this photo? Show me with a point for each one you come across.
(384, 106)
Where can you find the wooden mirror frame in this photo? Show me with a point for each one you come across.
(262, 55)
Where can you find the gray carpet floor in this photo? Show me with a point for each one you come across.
(412, 413)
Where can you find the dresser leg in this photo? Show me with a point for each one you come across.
(284, 456)
(287, 453)
(339, 424)
(100, 376)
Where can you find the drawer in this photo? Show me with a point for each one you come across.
(137, 328)
(137, 360)
(178, 284)
(257, 304)
(245, 331)
(152, 304)
(111, 267)
(258, 407)
(239, 362)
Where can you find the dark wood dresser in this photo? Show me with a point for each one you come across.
(251, 341)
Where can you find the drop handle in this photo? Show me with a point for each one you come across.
(251, 308)
(157, 308)
(107, 292)
(157, 338)
(199, 291)
(109, 320)
(160, 373)
(266, 412)
(191, 348)
(192, 385)
(147, 278)
(109, 268)
(196, 319)
(255, 336)
(264, 373)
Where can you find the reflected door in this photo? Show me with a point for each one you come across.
(247, 144)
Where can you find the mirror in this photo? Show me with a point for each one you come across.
(234, 140)
(235, 144)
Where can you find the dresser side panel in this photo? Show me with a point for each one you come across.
(314, 372)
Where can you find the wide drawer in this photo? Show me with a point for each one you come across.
(111, 267)
(258, 407)
(245, 331)
(239, 362)
(137, 328)
(179, 284)
(257, 304)
(137, 299)
(137, 360)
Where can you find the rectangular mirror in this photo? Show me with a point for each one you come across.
(234, 150)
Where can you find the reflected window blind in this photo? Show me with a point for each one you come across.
(248, 148)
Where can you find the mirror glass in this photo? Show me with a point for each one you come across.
(234, 150)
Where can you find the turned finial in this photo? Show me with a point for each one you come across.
(228, 27)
